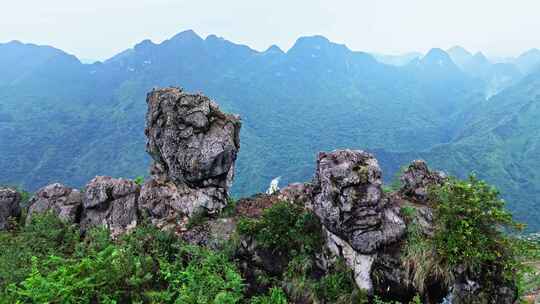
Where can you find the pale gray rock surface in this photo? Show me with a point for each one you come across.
(417, 178)
(347, 197)
(194, 145)
(112, 203)
(63, 201)
(10, 201)
(298, 193)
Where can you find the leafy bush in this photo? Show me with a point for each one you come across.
(139, 180)
(284, 227)
(45, 235)
(408, 212)
(469, 216)
(339, 287)
(205, 277)
(146, 265)
(275, 296)
(471, 228)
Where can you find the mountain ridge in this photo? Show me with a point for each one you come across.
(93, 124)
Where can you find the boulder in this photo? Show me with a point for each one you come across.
(416, 180)
(347, 197)
(63, 201)
(168, 205)
(112, 203)
(212, 234)
(193, 144)
(9, 206)
(359, 263)
(298, 193)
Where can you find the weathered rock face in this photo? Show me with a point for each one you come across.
(347, 197)
(359, 263)
(193, 144)
(299, 193)
(110, 202)
(9, 206)
(63, 201)
(417, 179)
(468, 290)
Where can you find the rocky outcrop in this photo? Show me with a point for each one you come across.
(360, 264)
(416, 180)
(112, 203)
(347, 197)
(298, 193)
(160, 201)
(63, 201)
(358, 220)
(194, 145)
(9, 206)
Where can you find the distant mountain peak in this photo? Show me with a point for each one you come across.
(313, 45)
(480, 57)
(274, 49)
(315, 42)
(458, 51)
(144, 44)
(437, 56)
(186, 35)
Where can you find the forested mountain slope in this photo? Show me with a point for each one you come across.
(61, 120)
(501, 143)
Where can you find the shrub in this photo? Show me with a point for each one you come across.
(45, 235)
(275, 296)
(204, 277)
(139, 180)
(471, 227)
(338, 287)
(146, 265)
(284, 227)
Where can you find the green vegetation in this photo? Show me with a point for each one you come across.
(139, 180)
(471, 233)
(275, 296)
(354, 105)
(47, 262)
(288, 230)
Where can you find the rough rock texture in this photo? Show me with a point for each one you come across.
(298, 193)
(467, 290)
(212, 234)
(359, 263)
(193, 144)
(63, 201)
(110, 202)
(416, 180)
(347, 197)
(9, 206)
(160, 201)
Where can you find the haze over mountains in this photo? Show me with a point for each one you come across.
(62, 120)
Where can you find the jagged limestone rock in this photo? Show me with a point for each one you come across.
(416, 180)
(63, 201)
(112, 203)
(298, 193)
(194, 145)
(160, 201)
(9, 206)
(347, 197)
(359, 263)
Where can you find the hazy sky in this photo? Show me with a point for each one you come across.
(98, 29)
